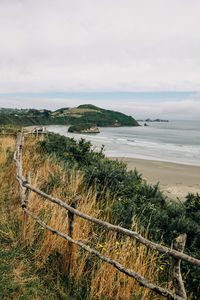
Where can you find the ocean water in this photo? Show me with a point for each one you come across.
(174, 141)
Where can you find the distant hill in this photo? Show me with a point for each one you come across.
(86, 113)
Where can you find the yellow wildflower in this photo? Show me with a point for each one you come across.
(117, 243)
(100, 245)
(105, 243)
(161, 268)
(117, 252)
(42, 227)
(104, 249)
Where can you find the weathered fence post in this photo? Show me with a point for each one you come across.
(26, 202)
(17, 146)
(71, 217)
(27, 193)
(179, 245)
(71, 229)
(20, 142)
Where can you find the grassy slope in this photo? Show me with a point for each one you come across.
(34, 262)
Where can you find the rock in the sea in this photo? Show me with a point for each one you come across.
(84, 128)
(93, 129)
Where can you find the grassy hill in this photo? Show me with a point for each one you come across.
(82, 114)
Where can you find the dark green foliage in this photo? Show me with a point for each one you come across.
(104, 117)
(27, 120)
(192, 206)
(71, 152)
(134, 198)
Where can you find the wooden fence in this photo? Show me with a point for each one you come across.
(25, 188)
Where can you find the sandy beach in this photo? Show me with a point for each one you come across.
(176, 180)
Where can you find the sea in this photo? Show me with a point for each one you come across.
(173, 141)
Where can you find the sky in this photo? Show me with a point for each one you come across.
(138, 56)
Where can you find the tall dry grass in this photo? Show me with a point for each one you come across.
(6, 143)
(8, 186)
(104, 280)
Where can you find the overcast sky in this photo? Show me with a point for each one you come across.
(50, 47)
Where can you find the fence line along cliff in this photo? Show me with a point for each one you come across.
(25, 188)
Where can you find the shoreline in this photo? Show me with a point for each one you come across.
(175, 180)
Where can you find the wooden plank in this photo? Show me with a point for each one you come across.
(179, 245)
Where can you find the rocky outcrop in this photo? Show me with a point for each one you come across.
(93, 129)
(156, 120)
(84, 128)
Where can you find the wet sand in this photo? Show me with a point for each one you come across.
(176, 180)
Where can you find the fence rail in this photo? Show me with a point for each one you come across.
(179, 294)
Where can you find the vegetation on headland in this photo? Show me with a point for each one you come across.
(63, 167)
(84, 128)
(82, 114)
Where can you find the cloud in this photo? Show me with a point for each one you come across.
(182, 110)
(96, 45)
